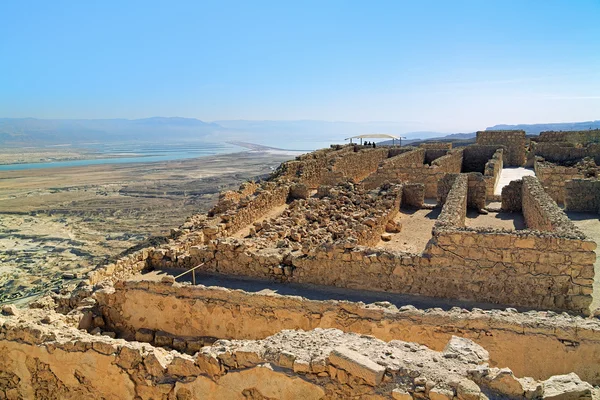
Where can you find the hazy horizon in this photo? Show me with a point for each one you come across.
(436, 66)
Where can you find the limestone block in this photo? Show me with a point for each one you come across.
(144, 335)
(248, 357)
(386, 237)
(129, 358)
(209, 363)
(357, 365)
(567, 387)
(466, 350)
(156, 362)
(441, 394)
(468, 390)
(286, 359)
(183, 365)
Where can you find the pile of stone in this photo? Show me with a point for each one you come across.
(340, 212)
(588, 168)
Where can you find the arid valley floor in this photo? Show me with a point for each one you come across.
(57, 223)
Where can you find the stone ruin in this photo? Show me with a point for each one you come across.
(508, 312)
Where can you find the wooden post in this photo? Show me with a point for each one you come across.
(194, 277)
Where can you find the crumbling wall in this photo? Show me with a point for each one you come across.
(437, 145)
(411, 168)
(311, 167)
(493, 169)
(512, 196)
(538, 341)
(583, 137)
(354, 166)
(524, 268)
(563, 152)
(476, 156)
(454, 208)
(433, 154)
(514, 143)
(444, 186)
(582, 195)
(542, 213)
(248, 211)
(477, 193)
(44, 363)
(553, 177)
(413, 195)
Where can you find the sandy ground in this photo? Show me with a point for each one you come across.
(59, 221)
(498, 220)
(508, 175)
(590, 225)
(416, 231)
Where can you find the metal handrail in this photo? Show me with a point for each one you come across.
(193, 271)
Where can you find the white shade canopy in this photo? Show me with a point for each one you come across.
(374, 136)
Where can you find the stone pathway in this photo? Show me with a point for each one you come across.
(508, 175)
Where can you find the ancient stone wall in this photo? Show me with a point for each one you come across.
(582, 195)
(530, 343)
(126, 266)
(524, 268)
(394, 151)
(476, 156)
(454, 208)
(539, 269)
(553, 176)
(436, 145)
(444, 186)
(272, 195)
(309, 168)
(355, 166)
(493, 169)
(563, 152)
(542, 213)
(512, 196)
(477, 193)
(583, 137)
(42, 362)
(434, 154)
(413, 195)
(513, 141)
(410, 167)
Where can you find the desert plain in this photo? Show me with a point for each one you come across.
(56, 224)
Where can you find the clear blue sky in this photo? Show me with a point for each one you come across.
(444, 65)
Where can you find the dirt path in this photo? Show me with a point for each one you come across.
(416, 231)
(508, 175)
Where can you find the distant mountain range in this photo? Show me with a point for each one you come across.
(32, 131)
(535, 129)
(282, 134)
